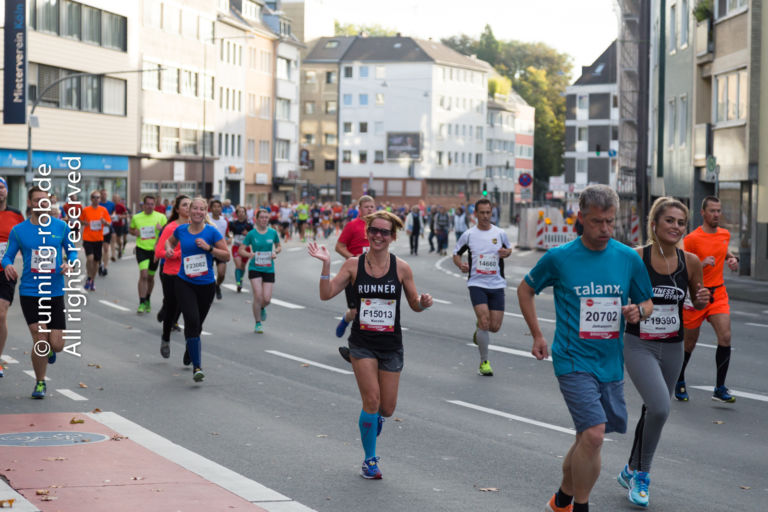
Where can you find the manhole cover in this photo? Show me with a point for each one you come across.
(53, 438)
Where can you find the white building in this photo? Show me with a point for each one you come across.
(411, 120)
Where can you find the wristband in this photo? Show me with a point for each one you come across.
(325, 277)
(210, 248)
(640, 311)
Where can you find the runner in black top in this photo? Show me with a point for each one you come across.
(239, 227)
(653, 348)
(375, 344)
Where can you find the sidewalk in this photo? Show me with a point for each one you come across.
(109, 464)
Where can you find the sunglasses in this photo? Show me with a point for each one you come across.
(95, 197)
(378, 231)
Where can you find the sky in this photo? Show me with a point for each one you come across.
(581, 28)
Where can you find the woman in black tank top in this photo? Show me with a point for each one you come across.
(375, 343)
(653, 349)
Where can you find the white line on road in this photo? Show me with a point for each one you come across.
(289, 305)
(294, 249)
(706, 346)
(523, 253)
(248, 489)
(204, 333)
(743, 313)
(233, 287)
(8, 359)
(439, 301)
(757, 325)
(743, 394)
(32, 374)
(513, 417)
(71, 394)
(307, 361)
(336, 262)
(518, 315)
(512, 351)
(113, 305)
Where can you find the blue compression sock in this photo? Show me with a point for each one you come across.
(238, 275)
(194, 348)
(368, 424)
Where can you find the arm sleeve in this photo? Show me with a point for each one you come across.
(461, 244)
(543, 274)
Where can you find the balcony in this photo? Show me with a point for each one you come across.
(705, 42)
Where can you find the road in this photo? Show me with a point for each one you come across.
(281, 408)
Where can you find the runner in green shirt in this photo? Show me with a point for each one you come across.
(146, 227)
(302, 209)
(261, 246)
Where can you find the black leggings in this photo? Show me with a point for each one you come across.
(170, 305)
(194, 301)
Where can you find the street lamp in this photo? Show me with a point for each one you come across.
(32, 121)
(205, 98)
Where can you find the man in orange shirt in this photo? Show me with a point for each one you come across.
(710, 243)
(93, 218)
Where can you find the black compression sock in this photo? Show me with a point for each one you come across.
(562, 499)
(722, 359)
(686, 358)
(580, 507)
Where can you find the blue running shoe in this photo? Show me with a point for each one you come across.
(681, 392)
(341, 327)
(381, 424)
(625, 477)
(638, 494)
(51, 356)
(39, 391)
(721, 394)
(370, 469)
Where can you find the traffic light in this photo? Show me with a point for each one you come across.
(597, 150)
(485, 190)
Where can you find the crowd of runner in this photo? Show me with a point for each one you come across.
(614, 305)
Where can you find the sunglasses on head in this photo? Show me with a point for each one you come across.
(378, 231)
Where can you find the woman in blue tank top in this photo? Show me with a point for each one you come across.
(375, 341)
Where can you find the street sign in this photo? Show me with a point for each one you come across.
(711, 163)
(525, 180)
(612, 153)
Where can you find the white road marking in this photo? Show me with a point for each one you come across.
(21, 504)
(336, 262)
(71, 394)
(307, 361)
(757, 325)
(32, 374)
(294, 249)
(742, 394)
(523, 253)
(8, 359)
(706, 346)
(113, 305)
(288, 305)
(234, 288)
(518, 315)
(439, 301)
(744, 313)
(513, 417)
(204, 333)
(512, 351)
(248, 489)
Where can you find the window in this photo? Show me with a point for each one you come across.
(378, 127)
(265, 60)
(309, 107)
(170, 79)
(283, 109)
(113, 96)
(363, 99)
(169, 139)
(264, 157)
(265, 112)
(205, 31)
(728, 7)
(70, 19)
(282, 149)
(239, 145)
(582, 133)
(330, 107)
(478, 159)
(378, 157)
(330, 165)
(685, 20)
(347, 127)
(332, 44)
(682, 130)
(440, 158)
(583, 102)
(283, 68)
(150, 138)
(363, 157)
(309, 138)
(479, 132)
(188, 83)
(379, 98)
(48, 16)
(347, 71)
(363, 128)
(91, 25)
(188, 142)
(153, 13)
(381, 72)
(150, 80)
(347, 99)
(363, 71)
(346, 156)
(221, 146)
(251, 104)
(208, 143)
(330, 77)
(70, 92)
(310, 77)
(672, 43)
(672, 122)
(92, 94)
(330, 139)
(731, 97)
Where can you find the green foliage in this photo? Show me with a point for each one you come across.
(703, 10)
(499, 85)
(539, 74)
(349, 29)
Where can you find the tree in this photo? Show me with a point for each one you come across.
(350, 29)
(488, 48)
